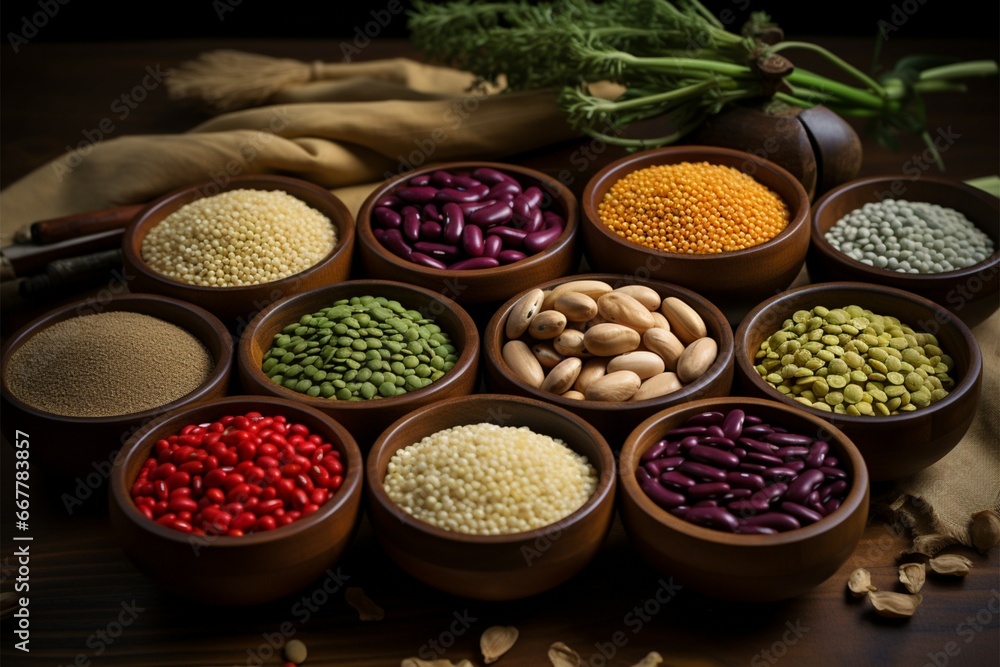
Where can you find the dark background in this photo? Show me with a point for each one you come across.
(87, 20)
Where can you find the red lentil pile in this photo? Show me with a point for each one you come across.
(693, 208)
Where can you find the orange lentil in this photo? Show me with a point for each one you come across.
(694, 208)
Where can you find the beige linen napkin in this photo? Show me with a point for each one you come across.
(347, 127)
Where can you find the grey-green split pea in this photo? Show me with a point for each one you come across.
(361, 348)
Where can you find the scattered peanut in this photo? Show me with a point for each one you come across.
(954, 565)
(496, 641)
(894, 605)
(912, 575)
(561, 655)
(860, 582)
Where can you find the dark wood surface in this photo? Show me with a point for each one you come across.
(89, 605)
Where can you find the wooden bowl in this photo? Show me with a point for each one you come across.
(364, 419)
(229, 570)
(476, 286)
(614, 419)
(84, 447)
(894, 446)
(747, 568)
(734, 281)
(970, 293)
(492, 567)
(236, 306)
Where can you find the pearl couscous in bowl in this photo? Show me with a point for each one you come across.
(490, 496)
(237, 248)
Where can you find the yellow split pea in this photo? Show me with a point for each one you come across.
(693, 208)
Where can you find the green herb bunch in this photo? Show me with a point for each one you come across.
(675, 61)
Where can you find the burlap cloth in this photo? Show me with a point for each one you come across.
(347, 127)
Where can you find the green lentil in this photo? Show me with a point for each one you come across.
(361, 348)
(852, 361)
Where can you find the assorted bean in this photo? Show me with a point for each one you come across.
(734, 472)
(910, 237)
(360, 348)
(238, 475)
(852, 361)
(586, 340)
(463, 220)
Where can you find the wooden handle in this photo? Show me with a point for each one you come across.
(45, 232)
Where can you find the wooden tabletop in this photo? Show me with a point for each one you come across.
(89, 605)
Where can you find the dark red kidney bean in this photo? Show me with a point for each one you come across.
(803, 514)
(431, 212)
(654, 451)
(676, 479)
(714, 456)
(511, 256)
(755, 431)
(474, 193)
(832, 490)
(756, 445)
(472, 240)
(661, 465)
(792, 452)
(798, 465)
(707, 490)
(732, 426)
(539, 241)
(764, 459)
(752, 467)
(665, 498)
(779, 474)
(718, 442)
(395, 242)
(379, 234)
(521, 210)
(534, 196)
(817, 454)
(706, 419)
(426, 260)
(831, 461)
(685, 431)
(673, 449)
(745, 480)
(755, 530)
(504, 189)
(492, 246)
(474, 263)
(420, 194)
(777, 520)
(745, 507)
(473, 206)
(831, 506)
(712, 517)
(706, 503)
(736, 494)
(454, 222)
(494, 214)
(491, 176)
(388, 201)
(740, 452)
(442, 251)
(411, 226)
(466, 182)
(690, 441)
(807, 482)
(386, 217)
(430, 230)
(641, 475)
(782, 439)
(771, 493)
(703, 471)
(419, 180)
(442, 179)
(814, 502)
(752, 420)
(535, 221)
(511, 237)
(833, 473)
(714, 431)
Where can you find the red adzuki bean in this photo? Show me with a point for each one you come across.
(733, 472)
(260, 480)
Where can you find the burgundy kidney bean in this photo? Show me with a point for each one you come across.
(835, 473)
(835, 489)
(491, 176)
(505, 189)
(658, 466)
(534, 196)
(780, 439)
(757, 445)
(745, 480)
(793, 451)
(752, 420)
(654, 452)
(473, 193)
(756, 530)
(539, 241)
(441, 179)
(706, 419)
(511, 237)
(756, 431)
(386, 217)
(807, 482)
(427, 260)
(394, 241)
(817, 454)
(494, 214)
(713, 456)
(771, 492)
(431, 212)
(389, 201)
(748, 506)
(475, 263)
(732, 425)
(442, 251)
(641, 475)
(703, 471)
(473, 206)
(712, 517)
(411, 226)
(764, 459)
(676, 479)
(418, 194)
(685, 431)
(779, 474)
(777, 520)
(736, 494)
(719, 442)
(492, 246)
(707, 490)
(661, 496)
(803, 514)
(430, 230)
(421, 180)
(454, 222)
(472, 240)
(510, 256)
